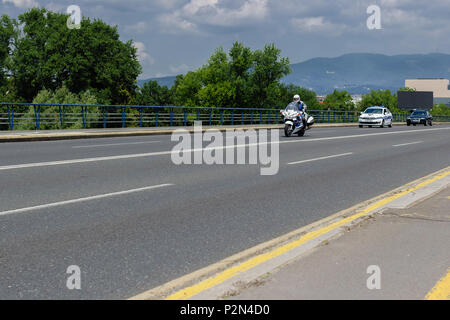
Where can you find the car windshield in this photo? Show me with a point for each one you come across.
(419, 113)
(374, 111)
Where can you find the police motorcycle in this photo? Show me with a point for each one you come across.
(295, 121)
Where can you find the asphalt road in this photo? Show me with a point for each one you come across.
(133, 241)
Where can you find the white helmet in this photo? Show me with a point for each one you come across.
(296, 98)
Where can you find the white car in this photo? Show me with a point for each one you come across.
(376, 116)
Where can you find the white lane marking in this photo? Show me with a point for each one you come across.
(142, 155)
(101, 196)
(322, 158)
(114, 144)
(406, 144)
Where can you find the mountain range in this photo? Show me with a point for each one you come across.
(359, 73)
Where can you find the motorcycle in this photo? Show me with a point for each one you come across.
(294, 121)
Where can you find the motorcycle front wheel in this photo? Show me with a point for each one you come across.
(288, 130)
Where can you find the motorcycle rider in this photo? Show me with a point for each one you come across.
(301, 107)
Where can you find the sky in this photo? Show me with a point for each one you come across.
(176, 36)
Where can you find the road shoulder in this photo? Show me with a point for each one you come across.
(407, 248)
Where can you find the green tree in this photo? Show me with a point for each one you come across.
(339, 100)
(50, 116)
(152, 94)
(241, 60)
(441, 110)
(379, 98)
(186, 88)
(268, 69)
(241, 78)
(49, 54)
(406, 89)
(217, 89)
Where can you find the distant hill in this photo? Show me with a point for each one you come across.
(164, 81)
(359, 73)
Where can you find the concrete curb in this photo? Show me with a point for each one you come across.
(42, 136)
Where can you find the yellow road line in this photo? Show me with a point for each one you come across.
(191, 291)
(441, 291)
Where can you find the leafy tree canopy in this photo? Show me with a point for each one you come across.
(241, 78)
(339, 100)
(49, 54)
(152, 94)
(380, 98)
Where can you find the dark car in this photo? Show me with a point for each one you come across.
(419, 117)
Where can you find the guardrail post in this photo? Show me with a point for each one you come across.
(221, 117)
(171, 117)
(210, 117)
(84, 114)
(185, 118)
(198, 116)
(140, 117)
(11, 117)
(105, 116)
(232, 117)
(37, 117)
(62, 113)
(123, 117)
(242, 117)
(268, 117)
(251, 118)
(277, 118)
(156, 118)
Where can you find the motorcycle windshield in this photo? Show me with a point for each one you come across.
(292, 107)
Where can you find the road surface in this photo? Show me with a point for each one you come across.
(134, 222)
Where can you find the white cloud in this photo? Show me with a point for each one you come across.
(197, 13)
(317, 25)
(142, 54)
(24, 4)
(309, 23)
(174, 24)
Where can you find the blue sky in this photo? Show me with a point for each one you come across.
(175, 36)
